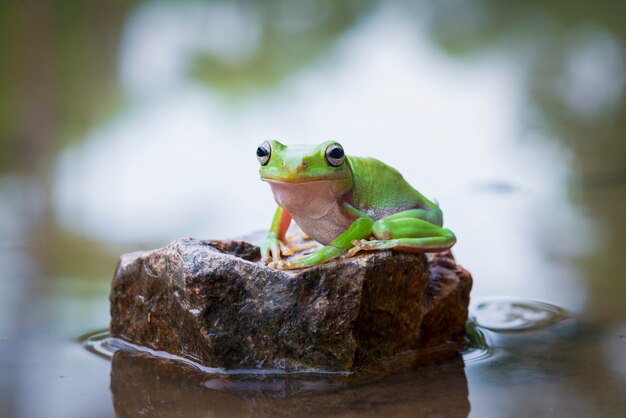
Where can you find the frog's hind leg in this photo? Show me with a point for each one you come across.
(406, 245)
(406, 234)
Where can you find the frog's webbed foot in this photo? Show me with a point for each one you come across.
(300, 262)
(271, 249)
(298, 235)
(286, 265)
(274, 249)
(361, 228)
(290, 248)
(365, 245)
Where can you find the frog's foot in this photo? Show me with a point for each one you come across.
(292, 248)
(286, 265)
(295, 263)
(271, 250)
(365, 245)
(298, 235)
(320, 256)
(285, 250)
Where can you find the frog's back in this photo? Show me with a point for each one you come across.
(380, 190)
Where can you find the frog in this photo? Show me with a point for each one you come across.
(347, 204)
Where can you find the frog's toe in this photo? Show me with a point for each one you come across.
(285, 265)
(296, 248)
(270, 250)
(358, 245)
(280, 265)
(285, 250)
(277, 253)
(266, 257)
(364, 245)
(276, 264)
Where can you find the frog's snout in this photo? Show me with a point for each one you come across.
(295, 167)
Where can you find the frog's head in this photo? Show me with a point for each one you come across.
(324, 165)
(300, 164)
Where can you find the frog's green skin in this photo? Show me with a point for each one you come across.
(359, 204)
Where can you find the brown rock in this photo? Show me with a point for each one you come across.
(213, 302)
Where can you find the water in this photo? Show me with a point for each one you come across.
(124, 126)
(393, 382)
(515, 316)
(396, 386)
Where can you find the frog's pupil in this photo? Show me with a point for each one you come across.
(261, 152)
(336, 153)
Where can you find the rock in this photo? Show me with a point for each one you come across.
(212, 302)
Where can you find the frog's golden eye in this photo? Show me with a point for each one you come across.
(335, 155)
(263, 153)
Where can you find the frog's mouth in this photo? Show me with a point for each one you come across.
(305, 180)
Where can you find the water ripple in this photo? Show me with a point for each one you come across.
(477, 346)
(502, 315)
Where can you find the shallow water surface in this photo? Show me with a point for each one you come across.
(126, 125)
(143, 380)
(140, 376)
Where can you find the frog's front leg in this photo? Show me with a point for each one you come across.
(406, 233)
(359, 229)
(271, 247)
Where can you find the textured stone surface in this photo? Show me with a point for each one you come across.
(213, 303)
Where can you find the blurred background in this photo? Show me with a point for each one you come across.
(127, 124)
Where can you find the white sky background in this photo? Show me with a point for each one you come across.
(180, 161)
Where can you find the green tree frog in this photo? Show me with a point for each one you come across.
(348, 204)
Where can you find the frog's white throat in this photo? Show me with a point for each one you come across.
(316, 206)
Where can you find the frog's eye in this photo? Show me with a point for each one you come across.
(335, 155)
(263, 153)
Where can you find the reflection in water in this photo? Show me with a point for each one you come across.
(143, 380)
(144, 385)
